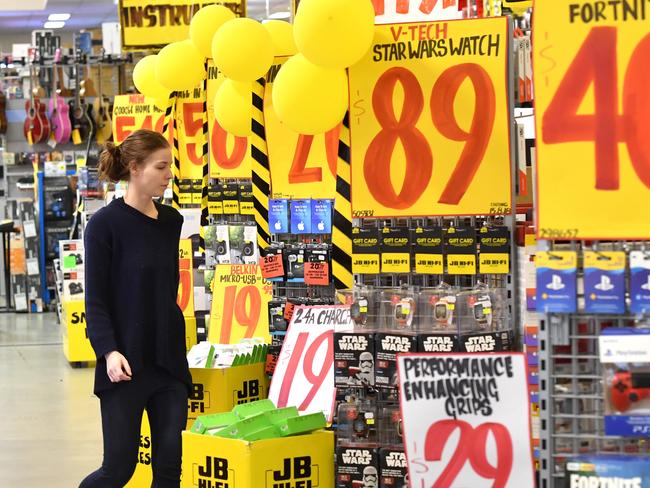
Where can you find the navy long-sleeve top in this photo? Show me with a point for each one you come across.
(131, 289)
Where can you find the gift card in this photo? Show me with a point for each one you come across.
(556, 281)
(639, 281)
(321, 216)
(604, 282)
(279, 216)
(301, 216)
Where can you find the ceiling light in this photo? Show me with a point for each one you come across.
(280, 15)
(53, 25)
(59, 17)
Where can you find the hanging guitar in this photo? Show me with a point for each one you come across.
(82, 122)
(59, 111)
(102, 109)
(3, 112)
(37, 127)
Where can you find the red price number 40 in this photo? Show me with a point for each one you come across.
(472, 447)
(419, 158)
(596, 62)
(243, 306)
(315, 375)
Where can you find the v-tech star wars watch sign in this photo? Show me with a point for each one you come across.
(429, 120)
(591, 107)
(156, 23)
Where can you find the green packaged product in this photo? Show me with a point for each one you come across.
(272, 432)
(245, 427)
(303, 424)
(205, 423)
(246, 410)
(278, 415)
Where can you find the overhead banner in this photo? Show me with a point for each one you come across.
(430, 122)
(591, 108)
(156, 23)
(230, 155)
(189, 124)
(304, 373)
(394, 11)
(134, 112)
(466, 420)
(302, 166)
(240, 298)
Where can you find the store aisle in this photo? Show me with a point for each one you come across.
(50, 431)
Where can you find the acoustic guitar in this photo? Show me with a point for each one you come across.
(82, 122)
(103, 111)
(87, 86)
(59, 111)
(37, 127)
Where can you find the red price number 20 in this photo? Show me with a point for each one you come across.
(596, 62)
(419, 157)
(472, 447)
(244, 306)
(313, 373)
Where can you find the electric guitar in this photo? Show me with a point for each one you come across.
(37, 126)
(103, 111)
(82, 123)
(58, 109)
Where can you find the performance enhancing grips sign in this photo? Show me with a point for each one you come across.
(591, 107)
(466, 420)
(430, 122)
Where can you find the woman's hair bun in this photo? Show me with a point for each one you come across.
(114, 161)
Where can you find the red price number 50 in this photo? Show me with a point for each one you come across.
(315, 378)
(419, 158)
(243, 306)
(472, 447)
(596, 62)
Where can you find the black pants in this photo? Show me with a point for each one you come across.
(165, 399)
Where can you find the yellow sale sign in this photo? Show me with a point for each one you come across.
(591, 107)
(156, 23)
(133, 112)
(230, 155)
(301, 166)
(240, 297)
(185, 298)
(189, 124)
(429, 120)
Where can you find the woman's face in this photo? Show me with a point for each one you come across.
(153, 175)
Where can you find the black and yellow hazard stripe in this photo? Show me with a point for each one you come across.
(342, 220)
(260, 166)
(205, 167)
(170, 122)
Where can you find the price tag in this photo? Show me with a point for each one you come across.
(239, 304)
(185, 298)
(288, 310)
(591, 108)
(301, 166)
(133, 112)
(317, 274)
(474, 432)
(272, 266)
(418, 150)
(304, 374)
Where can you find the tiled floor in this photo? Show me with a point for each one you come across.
(50, 429)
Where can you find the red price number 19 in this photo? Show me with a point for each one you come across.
(419, 157)
(472, 447)
(596, 62)
(313, 373)
(244, 307)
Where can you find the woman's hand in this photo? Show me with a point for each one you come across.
(117, 367)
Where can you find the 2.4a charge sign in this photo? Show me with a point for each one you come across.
(466, 420)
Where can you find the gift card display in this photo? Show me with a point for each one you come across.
(460, 248)
(494, 255)
(321, 216)
(428, 250)
(604, 281)
(279, 216)
(365, 251)
(556, 281)
(395, 251)
(639, 282)
(301, 216)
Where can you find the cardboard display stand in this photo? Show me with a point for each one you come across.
(76, 346)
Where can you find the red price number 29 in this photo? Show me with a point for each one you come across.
(419, 157)
(596, 62)
(314, 374)
(472, 447)
(244, 307)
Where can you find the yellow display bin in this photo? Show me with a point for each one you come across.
(305, 461)
(76, 346)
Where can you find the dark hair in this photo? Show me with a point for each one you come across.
(114, 160)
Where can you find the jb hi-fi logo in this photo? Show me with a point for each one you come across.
(214, 473)
(438, 344)
(250, 392)
(198, 400)
(296, 472)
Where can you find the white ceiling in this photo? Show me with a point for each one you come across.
(88, 14)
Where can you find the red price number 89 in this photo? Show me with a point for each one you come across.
(244, 307)
(419, 158)
(315, 378)
(596, 62)
(472, 447)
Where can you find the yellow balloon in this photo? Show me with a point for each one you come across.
(308, 98)
(242, 49)
(334, 33)
(282, 35)
(205, 23)
(144, 78)
(232, 107)
(180, 66)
